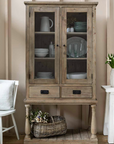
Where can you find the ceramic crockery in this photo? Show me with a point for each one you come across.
(45, 25)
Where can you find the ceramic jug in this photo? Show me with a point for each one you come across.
(45, 26)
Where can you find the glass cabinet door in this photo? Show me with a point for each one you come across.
(44, 45)
(76, 45)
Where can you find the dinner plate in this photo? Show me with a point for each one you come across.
(77, 75)
(77, 41)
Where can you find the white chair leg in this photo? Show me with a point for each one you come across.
(15, 126)
(1, 135)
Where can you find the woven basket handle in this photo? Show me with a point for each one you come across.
(52, 119)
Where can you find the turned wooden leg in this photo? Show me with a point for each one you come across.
(27, 124)
(93, 122)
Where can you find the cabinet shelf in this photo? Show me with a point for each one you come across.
(49, 33)
(76, 58)
(76, 33)
(46, 58)
(72, 136)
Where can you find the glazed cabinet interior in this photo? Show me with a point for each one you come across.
(60, 54)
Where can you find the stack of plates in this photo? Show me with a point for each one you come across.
(44, 75)
(77, 75)
(41, 52)
(81, 46)
(80, 26)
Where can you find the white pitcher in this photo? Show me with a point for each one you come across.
(45, 26)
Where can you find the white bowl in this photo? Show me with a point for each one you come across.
(41, 50)
(78, 75)
(41, 54)
(49, 74)
(44, 74)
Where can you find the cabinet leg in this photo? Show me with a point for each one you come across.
(27, 123)
(93, 122)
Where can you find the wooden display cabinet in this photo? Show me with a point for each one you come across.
(74, 55)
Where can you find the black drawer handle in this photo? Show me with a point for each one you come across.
(44, 91)
(76, 91)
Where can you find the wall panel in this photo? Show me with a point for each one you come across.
(2, 39)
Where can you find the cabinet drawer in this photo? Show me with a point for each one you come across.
(77, 92)
(44, 92)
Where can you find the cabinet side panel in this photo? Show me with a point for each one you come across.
(27, 50)
(89, 42)
(32, 43)
(94, 52)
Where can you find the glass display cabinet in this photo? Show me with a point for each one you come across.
(61, 59)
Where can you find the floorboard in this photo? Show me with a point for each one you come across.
(12, 139)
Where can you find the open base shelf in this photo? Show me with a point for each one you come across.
(71, 137)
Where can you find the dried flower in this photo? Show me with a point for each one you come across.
(38, 116)
(70, 21)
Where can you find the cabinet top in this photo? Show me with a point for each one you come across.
(59, 3)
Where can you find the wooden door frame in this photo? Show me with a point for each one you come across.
(34, 9)
(89, 45)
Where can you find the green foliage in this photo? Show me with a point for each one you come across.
(33, 115)
(38, 114)
(110, 60)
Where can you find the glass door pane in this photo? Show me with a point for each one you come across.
(76, 45)
(44, 46)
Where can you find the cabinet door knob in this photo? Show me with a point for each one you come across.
(57, 45)
(64, 45)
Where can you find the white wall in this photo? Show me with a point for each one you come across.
(110, 33)
(2, 39)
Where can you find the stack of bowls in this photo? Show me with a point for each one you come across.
(44, 75)
(80, 26)
(41, 52)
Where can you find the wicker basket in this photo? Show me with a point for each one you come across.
(56, 126)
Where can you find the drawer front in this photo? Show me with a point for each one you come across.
(44, 92)
(77, 92)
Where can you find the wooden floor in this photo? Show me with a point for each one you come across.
(71, 137)
(12, 139)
